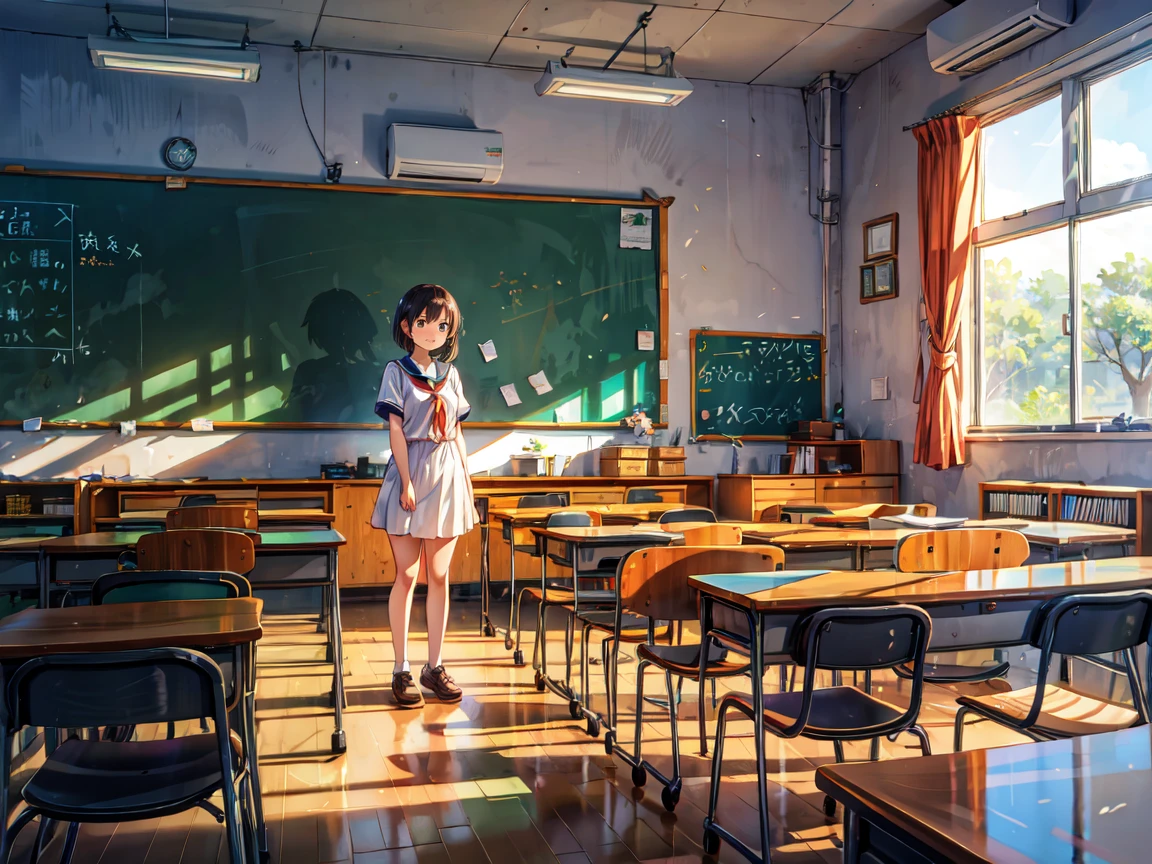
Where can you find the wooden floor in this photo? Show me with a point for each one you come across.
(506, 776)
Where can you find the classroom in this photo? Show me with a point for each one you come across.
(575, 431)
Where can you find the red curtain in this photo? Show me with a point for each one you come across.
(946, 171)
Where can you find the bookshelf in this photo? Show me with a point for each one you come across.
(49, 507)
(1121, 506)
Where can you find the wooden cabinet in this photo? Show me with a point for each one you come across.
(367, 559)
(747, 496)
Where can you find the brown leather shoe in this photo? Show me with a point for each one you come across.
(440, 683)
(405, 691)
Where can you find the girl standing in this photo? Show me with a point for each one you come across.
(425, 503)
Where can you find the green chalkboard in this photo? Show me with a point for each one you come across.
(272, 303)
(753, 385)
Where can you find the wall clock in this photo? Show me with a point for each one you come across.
(179, 154)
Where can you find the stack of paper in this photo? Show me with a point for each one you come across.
(907, 520)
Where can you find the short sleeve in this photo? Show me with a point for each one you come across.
(463, 409)
(390, 400)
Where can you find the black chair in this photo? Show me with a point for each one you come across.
(561, 594)
(199, 500)
(547, 499)
(643, 495)
(109, 781)
(1077, 625)
(144, 586)
(690, 514)
(861, 639)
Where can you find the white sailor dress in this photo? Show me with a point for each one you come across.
(431, 404)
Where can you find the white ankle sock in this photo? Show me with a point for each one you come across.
(402, 666)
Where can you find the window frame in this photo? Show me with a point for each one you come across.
(1080, 204)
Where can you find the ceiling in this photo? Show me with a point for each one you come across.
(782, 42)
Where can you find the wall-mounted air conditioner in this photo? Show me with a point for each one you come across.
(438, 154)
(978, 33)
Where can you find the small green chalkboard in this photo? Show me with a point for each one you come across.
(754, 385)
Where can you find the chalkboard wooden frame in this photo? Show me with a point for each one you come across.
(742, 334)
(646, 198)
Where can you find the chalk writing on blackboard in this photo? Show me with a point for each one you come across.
(754, 385)
(36, 275)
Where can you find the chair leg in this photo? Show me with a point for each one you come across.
(672, 712)
(233, 829)
(874, 750)
(519, 609)
(606, 661)
(41, 836)
(922, 736)
(570, 638)
(585, 666)
(641, 668)
(717, 764)
(9, 836)
(958, 734)
(783, 676)
(69, 843)
(838, 746)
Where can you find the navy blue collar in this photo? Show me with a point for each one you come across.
(412, 368)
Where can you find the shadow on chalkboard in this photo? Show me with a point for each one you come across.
(376, 129)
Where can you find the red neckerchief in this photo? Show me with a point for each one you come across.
(429, 384)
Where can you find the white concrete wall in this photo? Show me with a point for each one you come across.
(880, 338)
(737, 153)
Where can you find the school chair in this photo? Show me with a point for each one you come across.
(716, 534)
(196, 549)
(1073, 626)
(654, 582)
(959, 549)
(210, 516)
(108, 781)
(203, 499)
(560, 594)
(847, 639)
(688, 514)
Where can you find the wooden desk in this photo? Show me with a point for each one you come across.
(757, 614)
(857, 542)
(269, 520)
(284, 560)
(195, 624)
(632, 514)
(200, 625)
(1084, 798)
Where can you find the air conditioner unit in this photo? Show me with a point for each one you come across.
(438, 154)
(978, 33)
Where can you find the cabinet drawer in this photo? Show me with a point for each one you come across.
(850, 481)
(597, 496)
(783, 485)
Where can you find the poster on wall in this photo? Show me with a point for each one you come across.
(635, 228)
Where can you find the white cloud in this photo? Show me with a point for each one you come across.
(1113, 162)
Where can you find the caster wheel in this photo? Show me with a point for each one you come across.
(593, 728)
(639, 776)
(518, 658)
(669, 799)
(540, 685)
(711, 840)
(574, 709)
(489, 630)
(829, 806)
(508, 643)
(339, 743)
(609, 742)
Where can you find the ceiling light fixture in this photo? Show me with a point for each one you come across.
(662, 87)
(197, 58)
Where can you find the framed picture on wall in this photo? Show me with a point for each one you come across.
(886, 286)
(880, 237)
(867, 283)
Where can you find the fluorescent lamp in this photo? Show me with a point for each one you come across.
(174, 58)
(560, 80)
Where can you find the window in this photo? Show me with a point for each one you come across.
(1022, 161)
(1026, 354)
(1064, 287)
(1120, 126)
(1116, 313)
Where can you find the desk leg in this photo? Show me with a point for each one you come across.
(42, 578)
(248, 719)
(758, 730)
(511, 589)
(339, 742)
(851, 837)
(486, 628)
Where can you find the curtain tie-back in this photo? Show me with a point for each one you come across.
(942, 360)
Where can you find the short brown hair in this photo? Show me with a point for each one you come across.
(430, 301)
